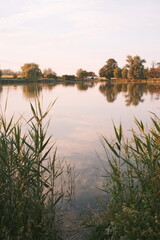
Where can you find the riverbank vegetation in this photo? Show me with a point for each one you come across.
(133, 70)
(32, 190)
(133, 184)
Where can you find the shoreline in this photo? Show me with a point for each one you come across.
(6, 81)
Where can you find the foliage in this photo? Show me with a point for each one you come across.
(84, 74)
(68, 77)
(135, 67)
(30, 187)
(31, 71)
(124, 73)
(146, 73)
(49, 73)
(0, 73)
(107, 70)
(133, 183)
(81, 73)
(118, 72)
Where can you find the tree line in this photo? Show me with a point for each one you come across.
(134, 69)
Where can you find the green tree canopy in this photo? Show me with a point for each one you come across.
(118, 72)
(124, 72)
(84, 74)
(81, 73)
(107, 70)
(135, 67)
(48, 72)
(68, 77)
(31, 71)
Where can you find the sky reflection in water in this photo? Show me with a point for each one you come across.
(82, 113)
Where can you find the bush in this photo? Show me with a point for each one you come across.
(50, 75)
(68, 78)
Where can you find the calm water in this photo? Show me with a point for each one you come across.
(81, 113)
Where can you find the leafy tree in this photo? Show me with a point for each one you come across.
(146, 73)
(31, 71)
(49, 72)
(91, 74)
(0, 73)
(81, 73)
(124, 73)
(118, 72)
(68, 77)
(135, 67)
(107, 70)
(50, 75)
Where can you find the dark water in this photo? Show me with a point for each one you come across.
(82, 113)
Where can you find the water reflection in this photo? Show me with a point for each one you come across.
(133, 92)
(31, 90)
(79, 116)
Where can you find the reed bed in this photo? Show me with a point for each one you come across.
(133, 184)
(32, 187)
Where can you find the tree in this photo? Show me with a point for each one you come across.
(69, 77)
(118, 72)
(81, 73)
(135, 67)
(49, 73)
(31, 71)
(146, 73)
(124, 73)
(0, 73)
(107, 70)
(91, 74)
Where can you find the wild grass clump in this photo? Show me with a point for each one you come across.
(133, 183)
(31, 187)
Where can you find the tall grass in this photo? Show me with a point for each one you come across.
(31, 183)
(133, 183)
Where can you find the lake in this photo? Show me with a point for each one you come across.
(81, 114)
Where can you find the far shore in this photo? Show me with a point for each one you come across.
(6, 81)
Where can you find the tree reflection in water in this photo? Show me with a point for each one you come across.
(133, 91)
(31, 90)
(83, 86)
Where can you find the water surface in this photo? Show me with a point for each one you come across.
(82, 113)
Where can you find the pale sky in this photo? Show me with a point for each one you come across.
(66, 35)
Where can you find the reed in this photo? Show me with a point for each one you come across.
(133, 184)
(31, 183)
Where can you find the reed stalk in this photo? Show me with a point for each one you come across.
(30, 192)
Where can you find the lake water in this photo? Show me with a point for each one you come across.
(82, 113)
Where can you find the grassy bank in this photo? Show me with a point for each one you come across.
(31, 182)
(133, 183)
